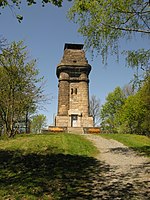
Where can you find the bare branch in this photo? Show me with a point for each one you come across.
(127, 29)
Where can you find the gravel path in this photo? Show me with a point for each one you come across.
(127, 170)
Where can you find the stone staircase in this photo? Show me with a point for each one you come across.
(75, 130)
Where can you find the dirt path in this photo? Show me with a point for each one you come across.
(126, 168)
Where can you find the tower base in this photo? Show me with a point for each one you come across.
(73, 120)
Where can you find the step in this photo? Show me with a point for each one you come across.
(75, 130)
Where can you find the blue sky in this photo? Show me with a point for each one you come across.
(45, 31)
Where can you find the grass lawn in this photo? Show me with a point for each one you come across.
(138, 143)
(55, 166)
(49, 166)
(49, 144)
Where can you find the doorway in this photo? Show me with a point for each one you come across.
(74, 120)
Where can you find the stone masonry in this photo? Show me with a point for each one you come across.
(73, 96)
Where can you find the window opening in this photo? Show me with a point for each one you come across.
(75, 90)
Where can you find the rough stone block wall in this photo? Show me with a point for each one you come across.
(87, 121)
(83, 98)
(74, 96)
(62, 121)
(63, 98)
(73, 57)
(79, 96)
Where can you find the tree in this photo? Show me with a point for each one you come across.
(104, 23)
(108, 112)
(145, 96)
(12, 4)
(2, 42)
(38, 123)
(19, 93)
(135, 113)
(95, 109)
(128, 90)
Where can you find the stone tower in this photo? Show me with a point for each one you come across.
(73, 96)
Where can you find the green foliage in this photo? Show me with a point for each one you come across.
(125, 113)
(104, 23)
(114, 102)
(145, 96)
(19, 93)
(17, 3)
(13, 4)
(19, 18)
(134, 116)
(38, 123)
(138, 58)
(139, 143)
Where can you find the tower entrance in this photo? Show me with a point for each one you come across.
(74, 120)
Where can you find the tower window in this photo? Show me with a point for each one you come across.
(75, 90)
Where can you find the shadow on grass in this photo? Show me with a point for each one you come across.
(120, 150)
(145, 150)
(59, 176)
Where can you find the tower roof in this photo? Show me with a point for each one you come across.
(73, 60)
(73, 46)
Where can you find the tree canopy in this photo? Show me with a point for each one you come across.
(127, 113)
(17, 3)
(19, 92)
(13, 4)
(104, 23)
(38, 123)
(113, 104)
(135, 113)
